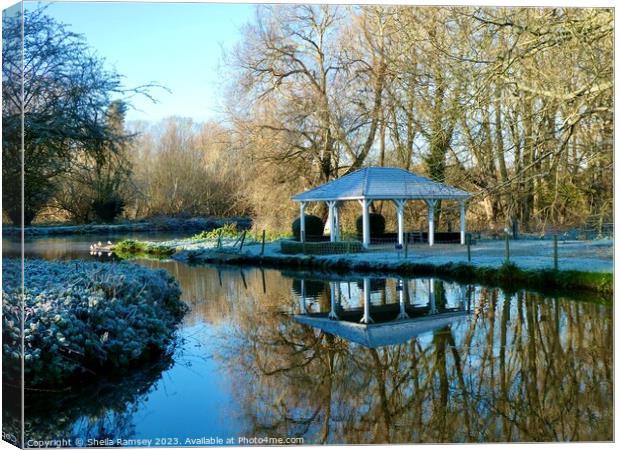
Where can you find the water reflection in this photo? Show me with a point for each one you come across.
(520, 367)
(76, 246)
(504, 366)
(389, 322)
(102, 410)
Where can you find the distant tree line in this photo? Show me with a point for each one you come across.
(512, 104)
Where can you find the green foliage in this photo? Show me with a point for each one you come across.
(510, 277)
(229, 230)
(130, 247)
(376, 221)
(271, 236)
(320, 248)
(314, 226)
(256, 235)
(85, 318)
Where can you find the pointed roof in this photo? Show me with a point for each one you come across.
(382, 183)
(382, 334)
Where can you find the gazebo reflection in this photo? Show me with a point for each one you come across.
(374, 313)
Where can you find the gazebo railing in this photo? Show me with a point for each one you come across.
(415, 237)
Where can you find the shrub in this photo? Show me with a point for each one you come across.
(376, 221)
(134, 248)
(107, 210)
(314, 226)
(320, 248)
(85, 318)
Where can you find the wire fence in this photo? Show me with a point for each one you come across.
(586, 232)
(549, 254)
(415, 244)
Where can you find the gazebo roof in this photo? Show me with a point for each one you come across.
(382, 183)
(382, 334)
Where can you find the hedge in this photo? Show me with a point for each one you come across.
(320, 248)
(314, 226)
(376, 223)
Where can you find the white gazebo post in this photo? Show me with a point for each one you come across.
(336, 222)
(431, 296)
(464, 290)
(366, 318)
(331, 220)
(400, 212)
(431, 221)
(332, 296)
(401, 301)
(302, 297)
(365, 223)
(462, 208)
(302, 222)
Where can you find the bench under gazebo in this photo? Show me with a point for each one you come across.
(381, 183)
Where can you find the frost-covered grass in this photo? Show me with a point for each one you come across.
(85, 318)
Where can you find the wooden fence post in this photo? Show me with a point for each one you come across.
(262, 247)
(406, 245)
(468, 238)
(507, 248)
(219, 238)
(242, 241)
(555, 252)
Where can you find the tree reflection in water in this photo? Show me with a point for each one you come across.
(521, 368)
(518, 367)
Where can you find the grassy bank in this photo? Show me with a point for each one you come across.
(224, 239)
(204, 248)
(507, 276)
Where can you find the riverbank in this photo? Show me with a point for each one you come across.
(151, 225)
(583, 265)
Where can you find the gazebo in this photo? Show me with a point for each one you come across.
(381, 183)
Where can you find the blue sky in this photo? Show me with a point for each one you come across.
(178, 45)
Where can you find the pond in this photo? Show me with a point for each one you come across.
(266, 354)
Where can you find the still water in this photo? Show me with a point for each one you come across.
(259, 357)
